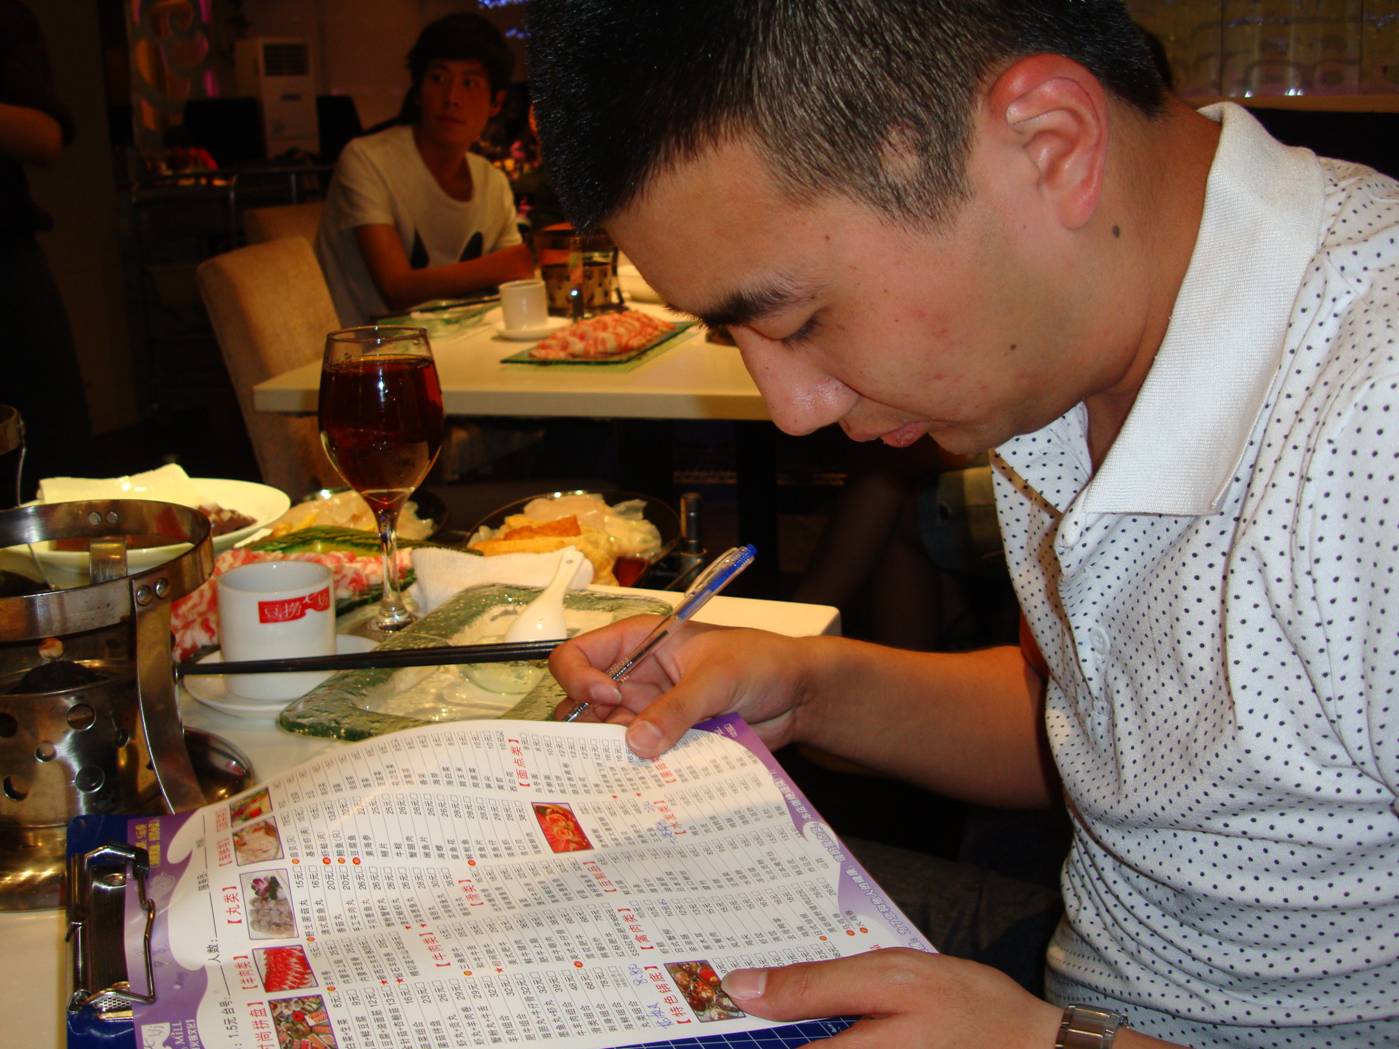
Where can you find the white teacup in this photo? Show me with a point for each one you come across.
(524, 305)
(275, 610)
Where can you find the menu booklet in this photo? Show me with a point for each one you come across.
(491, 883)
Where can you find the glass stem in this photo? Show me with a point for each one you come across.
(393, 613)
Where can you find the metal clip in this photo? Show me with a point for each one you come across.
(97, 882)
(107, 558)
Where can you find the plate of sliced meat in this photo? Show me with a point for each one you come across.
(608, 338)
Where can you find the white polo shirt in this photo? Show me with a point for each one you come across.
(1219, 609)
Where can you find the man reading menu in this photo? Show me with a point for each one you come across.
(985, 221)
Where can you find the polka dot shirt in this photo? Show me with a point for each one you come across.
(1219, 608)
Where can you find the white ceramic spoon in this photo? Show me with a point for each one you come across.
(542, 619)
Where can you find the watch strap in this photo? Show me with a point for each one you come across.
(1087, 1027)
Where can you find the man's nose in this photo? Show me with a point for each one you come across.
(800, 397)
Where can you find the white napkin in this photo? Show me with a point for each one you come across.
(169, 484)
(442, 573)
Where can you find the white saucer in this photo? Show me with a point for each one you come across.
(550, 326)
(213, 692)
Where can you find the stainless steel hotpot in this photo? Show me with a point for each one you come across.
(88, 715)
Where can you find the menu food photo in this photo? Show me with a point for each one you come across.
(510, 883)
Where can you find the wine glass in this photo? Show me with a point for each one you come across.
(381, 424)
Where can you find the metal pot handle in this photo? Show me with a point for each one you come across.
(158, 703)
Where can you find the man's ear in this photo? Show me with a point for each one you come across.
(497, 102)
(1056, 113)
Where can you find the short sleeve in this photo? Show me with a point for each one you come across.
(1351, 533)
(506, 233)
(364, 195)
(25, 76)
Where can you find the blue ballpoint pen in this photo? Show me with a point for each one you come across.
(720, 573)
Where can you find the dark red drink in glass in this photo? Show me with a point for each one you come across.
(381, 418)
(381, 424)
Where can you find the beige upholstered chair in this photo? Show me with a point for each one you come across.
(283, 220)
(271, 309)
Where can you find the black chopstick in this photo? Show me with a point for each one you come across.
(441, 655)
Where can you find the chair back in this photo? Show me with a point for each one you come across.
(270, 310)
(283, 220)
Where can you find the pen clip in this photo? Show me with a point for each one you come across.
(714, 578)
(718, 575)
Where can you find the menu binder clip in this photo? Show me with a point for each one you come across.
(98, 881)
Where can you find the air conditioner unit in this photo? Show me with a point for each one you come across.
(278, 73)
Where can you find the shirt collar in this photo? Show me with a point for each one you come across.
(1187, 431)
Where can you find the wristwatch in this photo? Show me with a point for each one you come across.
(1085, 1027)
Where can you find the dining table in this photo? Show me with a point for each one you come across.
(39, 963)
(690, 377)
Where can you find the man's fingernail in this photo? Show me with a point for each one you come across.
(642, 735)
(604, 693)
(745, 984)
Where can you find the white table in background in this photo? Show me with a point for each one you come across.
(32, 941)
(692, 379)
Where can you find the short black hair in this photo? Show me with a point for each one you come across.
(624, 89)
(458, 37)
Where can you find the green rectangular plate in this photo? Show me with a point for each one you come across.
(445, 323)
(357, 704)
(631, 359)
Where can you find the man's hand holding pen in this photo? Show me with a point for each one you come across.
(722, 571)
(701, 672)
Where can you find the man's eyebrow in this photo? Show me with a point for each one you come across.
(745, 305)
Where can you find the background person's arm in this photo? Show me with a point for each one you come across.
(35, 125)
(401, 286)
(29, 135)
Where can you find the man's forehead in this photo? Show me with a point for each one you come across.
(720, 238)
(457, 65)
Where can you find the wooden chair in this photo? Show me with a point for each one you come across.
(283, 220)
(271, 310)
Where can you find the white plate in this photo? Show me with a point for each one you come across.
(550, 326)
(263, 503)
(214, 692)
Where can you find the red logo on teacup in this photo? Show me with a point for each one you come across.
(291, 608)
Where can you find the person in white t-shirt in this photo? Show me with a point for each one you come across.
(411, 214)
(986, 221)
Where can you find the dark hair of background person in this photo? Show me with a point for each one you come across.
(458, 37)
(826, 89)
